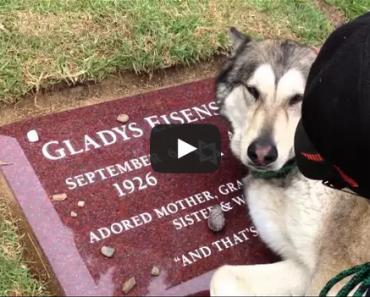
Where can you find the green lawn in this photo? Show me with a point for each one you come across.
(15, 276)
(351, 8)
(45, 42)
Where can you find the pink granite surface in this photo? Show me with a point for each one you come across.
(66, 241)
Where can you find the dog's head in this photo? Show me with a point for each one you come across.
(259, 90)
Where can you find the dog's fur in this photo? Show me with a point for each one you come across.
(317, 231)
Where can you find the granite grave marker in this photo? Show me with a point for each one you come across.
(108, 197)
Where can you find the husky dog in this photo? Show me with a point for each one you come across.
(317, 231)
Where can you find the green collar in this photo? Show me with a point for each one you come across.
(283, 172)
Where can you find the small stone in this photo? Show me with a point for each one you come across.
(128, 285)
(155, 271)
(81, 203)
(73, 214)
(123, 118)
(59, 197)
(216, 220)
(32, 136)
(107, 251)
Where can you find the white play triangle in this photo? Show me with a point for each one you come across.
(184, 148)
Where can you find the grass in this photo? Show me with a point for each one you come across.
(46, 42)
(351, 8)
(306, 22)
(15, 276)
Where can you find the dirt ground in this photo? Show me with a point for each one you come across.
(119, 86)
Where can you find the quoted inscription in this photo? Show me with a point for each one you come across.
(217, 246)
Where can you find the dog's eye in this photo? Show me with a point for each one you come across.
(253, 91)
(295, 99)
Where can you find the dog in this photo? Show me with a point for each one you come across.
(317, 231)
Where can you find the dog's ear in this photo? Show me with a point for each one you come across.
(238, 38)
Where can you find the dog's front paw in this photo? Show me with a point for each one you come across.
(226, 282)
(260, 280)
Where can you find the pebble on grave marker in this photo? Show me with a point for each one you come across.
(155, 271)
(128, 285)
(32, 136)
(123, 118)
(107, 251)
(73, 214)
(59, 197)
(81, 203)
(216, 220)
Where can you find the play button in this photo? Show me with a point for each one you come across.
(184, 148)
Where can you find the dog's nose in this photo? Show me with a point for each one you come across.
(262, 153)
